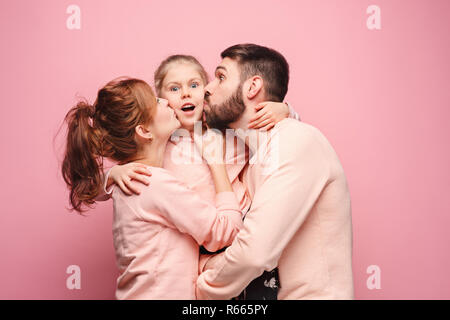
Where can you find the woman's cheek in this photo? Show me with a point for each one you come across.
(172, 100)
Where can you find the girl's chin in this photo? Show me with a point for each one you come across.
(189, 123)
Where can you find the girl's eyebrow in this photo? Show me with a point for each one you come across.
(190, 80)
(172, 82)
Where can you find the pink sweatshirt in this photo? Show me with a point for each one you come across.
(157, 236)
(299, 220)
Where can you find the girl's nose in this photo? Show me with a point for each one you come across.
(186, 93)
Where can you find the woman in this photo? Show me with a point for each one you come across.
(156, 233)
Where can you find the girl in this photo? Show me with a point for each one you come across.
(157, 233)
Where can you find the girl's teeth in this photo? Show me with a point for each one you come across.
(188, 108)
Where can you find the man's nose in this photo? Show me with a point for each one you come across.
(207, 89)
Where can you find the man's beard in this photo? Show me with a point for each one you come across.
(221, 115)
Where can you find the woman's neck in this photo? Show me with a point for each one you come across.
(153, 154)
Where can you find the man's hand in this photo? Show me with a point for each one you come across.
(207, 262)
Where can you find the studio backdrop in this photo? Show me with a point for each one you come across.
(373, 76)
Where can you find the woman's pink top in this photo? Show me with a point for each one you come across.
(157, 235)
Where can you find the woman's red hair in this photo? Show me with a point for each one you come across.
(104, 129)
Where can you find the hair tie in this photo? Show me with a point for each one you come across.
(91, 121)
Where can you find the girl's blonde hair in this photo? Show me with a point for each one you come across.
(164, 67)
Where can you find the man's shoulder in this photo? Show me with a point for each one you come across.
(291, 130)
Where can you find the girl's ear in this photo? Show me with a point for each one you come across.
(143, 132)
(256, 84)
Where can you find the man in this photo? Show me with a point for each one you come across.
(300, 217)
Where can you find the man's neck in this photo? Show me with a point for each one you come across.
(249, 136)
(244, 119)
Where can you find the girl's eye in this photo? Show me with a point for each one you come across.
(174, 89)
(194, 85)
(221, 77)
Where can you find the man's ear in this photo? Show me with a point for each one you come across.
(255, 86)
(143, 132)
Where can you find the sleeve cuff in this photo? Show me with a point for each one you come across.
(227, 198)
(106, 182)
(292, 113)
(202, 261)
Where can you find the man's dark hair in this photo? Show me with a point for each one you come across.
(264, 62)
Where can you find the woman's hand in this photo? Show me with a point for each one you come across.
(123, 174)
(268, 114)
(211, 146)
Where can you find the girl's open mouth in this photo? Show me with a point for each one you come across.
(188, 107)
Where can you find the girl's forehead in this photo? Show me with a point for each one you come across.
(182, 71)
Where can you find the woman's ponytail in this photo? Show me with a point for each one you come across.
(81, 169)
(104, 130)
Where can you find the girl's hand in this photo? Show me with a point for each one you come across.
(211, 146)
(123, 174)
(268, 114)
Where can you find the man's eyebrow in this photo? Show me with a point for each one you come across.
(220, 67)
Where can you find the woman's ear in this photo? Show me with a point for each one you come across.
(255, 86)
(143, 132)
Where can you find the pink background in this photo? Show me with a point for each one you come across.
(381, 97)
